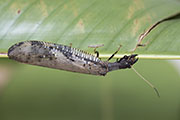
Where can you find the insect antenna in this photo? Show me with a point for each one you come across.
(150, 84)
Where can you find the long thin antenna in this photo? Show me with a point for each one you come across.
(151, 85)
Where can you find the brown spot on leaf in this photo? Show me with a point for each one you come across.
(19, 11)
(134, 7)
(16, 8)
(140, 22)
(75, 12)
(80, 26)
(43, 8)
(65, 6)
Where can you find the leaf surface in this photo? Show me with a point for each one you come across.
(93, 22)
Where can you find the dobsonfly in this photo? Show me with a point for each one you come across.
(67, 58)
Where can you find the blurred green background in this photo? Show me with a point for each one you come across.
(37, 93)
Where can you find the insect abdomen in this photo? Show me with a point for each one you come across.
(56, 56)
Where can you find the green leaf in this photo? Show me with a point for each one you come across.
(92, 22)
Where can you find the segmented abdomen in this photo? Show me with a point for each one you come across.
(57, 56)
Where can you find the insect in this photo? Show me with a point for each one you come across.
(67, 58)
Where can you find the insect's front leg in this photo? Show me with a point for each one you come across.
(114, 53)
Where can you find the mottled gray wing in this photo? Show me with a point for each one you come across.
(56, 56)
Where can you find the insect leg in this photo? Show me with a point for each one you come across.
(97, 53)
(139, 45)
(95, 47)
(117, 59)
(114, 53)
(70, 44)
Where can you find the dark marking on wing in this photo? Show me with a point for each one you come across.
(14, 46)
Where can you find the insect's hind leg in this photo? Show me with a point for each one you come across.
(114, 53)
